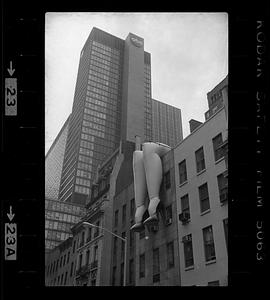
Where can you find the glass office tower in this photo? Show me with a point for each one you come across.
(112, 102)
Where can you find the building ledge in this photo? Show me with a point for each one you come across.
(190, 268)
(219, 160)
(206, 212)
(183, 183)
(210, 262)
(201, 172)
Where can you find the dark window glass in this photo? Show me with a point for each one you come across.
(132, 208)
(87, 257)
(116, 218)
(223, 187)
(168, 214)
(209, 246)
(131, 271)
(123, 246)
(114, 276)
(167, 180)
(142, 265)
(185, 204)
(182, 171)
(122, 274)
(200, 163)
(156, 265)
(225, 225)
(170, 255)
(218, 151)
(204, 197)
(124, 214)
(188, 251)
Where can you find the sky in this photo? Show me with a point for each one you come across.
(189, 57)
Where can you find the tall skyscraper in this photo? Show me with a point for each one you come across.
(54, 163)
(112, 102)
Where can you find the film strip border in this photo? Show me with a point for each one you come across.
(248, 95)
(22, 148)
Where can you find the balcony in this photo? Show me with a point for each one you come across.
(94, 264)
(82, 270)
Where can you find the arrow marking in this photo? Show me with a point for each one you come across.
(10, 70)
(10, 215)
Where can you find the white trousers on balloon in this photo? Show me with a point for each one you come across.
(147, 170)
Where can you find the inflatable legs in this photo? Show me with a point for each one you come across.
(147, 170)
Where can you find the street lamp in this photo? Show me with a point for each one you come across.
(123, 239)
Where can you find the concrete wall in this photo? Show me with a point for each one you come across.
(202, 273)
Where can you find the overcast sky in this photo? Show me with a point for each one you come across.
(189, 57)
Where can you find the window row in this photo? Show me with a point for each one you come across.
(86, 151)
(82, 181)
(199, 158)
(204, 198)
(62, 207)
(107, 65)
(102, 78)
(99, 70)
(83, 173)
(62, 226)
(91, 126)
(60, 217)
(95, 113)
(114, 55)
(86, 144)
(84, 166)
(124, 213)
(102, 90)
(94, 119)
(82, 190)
(57, 235)
(107, 48)
(96, 107)
(98, 64)
(208, 242)
(85, 159)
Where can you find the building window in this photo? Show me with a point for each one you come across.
(68, 256)
(114, 248)
(87, 257)
(131, 271)
(124, 214)
(142, 234)
(132, 208)
(188, 250)
(71, 269)
(223, 187)
(168, 215)
(209, 247)
(74, 246)
(123, 246)
(182, 171)
(114, 276)
(80, 261)
(95, 258)
(82, 239)
(156, 266)
(89, 237)
(131, 241)
(204, 198)
(213, 283)
(218, 151)
(65, 281)
(122, 274)
(170, 255)
(225, 225)
(116, 213)
(142, 266)
(167, 180)
(200, 163)
(185, 207)
(96, 229)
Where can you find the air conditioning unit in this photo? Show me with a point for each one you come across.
(223, 197)
(184, 217)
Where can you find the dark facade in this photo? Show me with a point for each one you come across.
(54, 163)
(59, 218)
